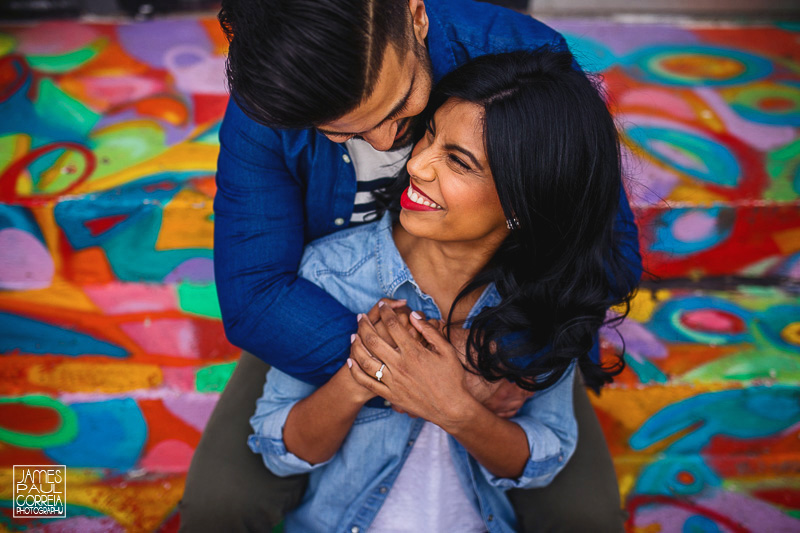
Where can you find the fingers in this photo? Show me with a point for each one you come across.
(361, 355)
(430, 333)
(374, 344)
(373, 314)
(369, 382)
(394, 326)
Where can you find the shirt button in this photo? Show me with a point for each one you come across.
(490, 518)
(339, 221)
(411, 442)
(383, 490)
(346, 159)
(560, 458)
(387, 403)
(354, 529)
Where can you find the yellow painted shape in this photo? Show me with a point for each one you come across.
(694, 195)
(791, 333)
(138, 506)
(7, 44)
(92, 377)
(185, 156)
(186, 222)
(59, 294)
(788, 241)
(644, 304)
(13, 147)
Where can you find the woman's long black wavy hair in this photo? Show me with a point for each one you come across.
(553, 150)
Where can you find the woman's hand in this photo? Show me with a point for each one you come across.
(425, 382)
(403, 313)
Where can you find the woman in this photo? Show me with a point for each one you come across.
(505, 228)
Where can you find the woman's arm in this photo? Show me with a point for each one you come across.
(318, 424)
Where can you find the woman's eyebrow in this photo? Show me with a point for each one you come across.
(466, 152)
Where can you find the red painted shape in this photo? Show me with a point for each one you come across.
(713, 321)
(634, 502)
(784, 497)
(775, 103)
(208, 107)
(8, 179)
(160, 186)
(686, 478)
(103, 224)
(29, 418)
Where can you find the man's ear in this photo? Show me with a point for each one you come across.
(420, 19)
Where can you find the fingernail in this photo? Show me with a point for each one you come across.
(381, 303)
(358, 318)
(352, 338)
(350, 361)
(416, 315)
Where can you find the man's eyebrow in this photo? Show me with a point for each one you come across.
(466, 152)
(395, 110)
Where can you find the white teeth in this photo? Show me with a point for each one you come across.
(417, 199)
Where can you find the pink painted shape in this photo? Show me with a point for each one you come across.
(194, 409)
(121, 89)
(752, 513)
(169, 336)
(54, 38)
(179, 378)
(694, 226)
(658, 99)
(168, 456)
(648, 183)
(713, 320)
(761, 136)
(79, 524)
(122, 298)
(25, 263)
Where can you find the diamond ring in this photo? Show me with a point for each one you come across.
(379, 373)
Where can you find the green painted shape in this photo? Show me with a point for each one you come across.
(125, 146)
(61, 63)
(199, 299)
(7, 44)
(646, 371)
(56, 106)
(783, 165)
(7, 144)
(747, 367)
(213, 378)
(65, 433)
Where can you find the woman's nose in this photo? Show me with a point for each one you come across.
(420, 166)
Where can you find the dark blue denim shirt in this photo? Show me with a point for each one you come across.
(279, 189)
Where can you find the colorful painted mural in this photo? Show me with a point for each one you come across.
(113, 354)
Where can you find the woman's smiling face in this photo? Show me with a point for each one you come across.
(452, 195)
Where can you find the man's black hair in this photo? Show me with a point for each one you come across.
(302, 63)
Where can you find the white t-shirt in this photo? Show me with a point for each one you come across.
(427, 496)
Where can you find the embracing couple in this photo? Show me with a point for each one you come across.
(420, 225)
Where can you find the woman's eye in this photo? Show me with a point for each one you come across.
(459, 162)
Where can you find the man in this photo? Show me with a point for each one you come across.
(325, 93)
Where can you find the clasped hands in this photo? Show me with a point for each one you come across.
(424, 375)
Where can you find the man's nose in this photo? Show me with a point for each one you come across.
(382, 137)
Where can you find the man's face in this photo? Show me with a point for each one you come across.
(401, 93)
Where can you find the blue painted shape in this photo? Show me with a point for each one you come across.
(665, 322)
(32, 336)
(12, 216)
(750, 413)
(771, 323)
(664, 477)
(696, 156)
(111, 434)
(645, 63)
(592, 55)
(700, 524)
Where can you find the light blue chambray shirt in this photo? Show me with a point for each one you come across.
(359, 266)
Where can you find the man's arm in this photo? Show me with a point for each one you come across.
(258, 241)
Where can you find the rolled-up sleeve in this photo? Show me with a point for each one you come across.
(548, 420)
(281, 394)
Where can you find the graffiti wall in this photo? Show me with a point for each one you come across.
(113, 354)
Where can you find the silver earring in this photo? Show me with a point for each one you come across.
(512, 223)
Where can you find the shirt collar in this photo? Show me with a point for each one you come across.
(393, 271)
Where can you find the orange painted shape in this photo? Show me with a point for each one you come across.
(207, 185)
(90, 265)
(165, 108)
(788, 241)
(110, 378)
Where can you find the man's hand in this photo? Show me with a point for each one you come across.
(502, 397)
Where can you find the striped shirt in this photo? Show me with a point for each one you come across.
(374, 170)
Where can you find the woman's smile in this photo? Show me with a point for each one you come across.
(415, 200)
